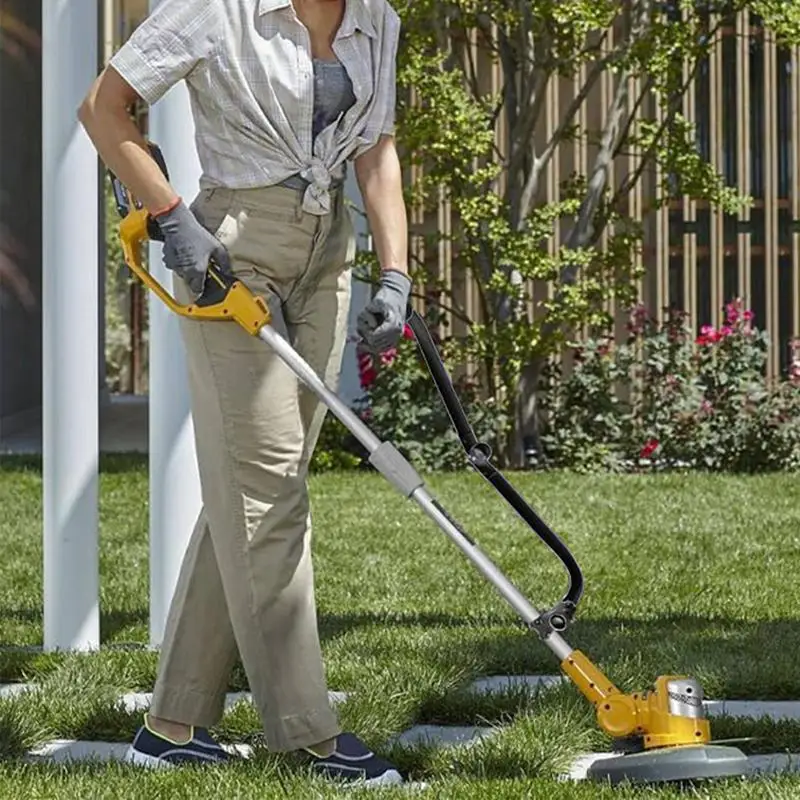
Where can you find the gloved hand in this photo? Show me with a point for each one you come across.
(188, 247)
(381, 322)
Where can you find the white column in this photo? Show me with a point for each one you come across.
(349, 383)
(70, 329)
(174, 483)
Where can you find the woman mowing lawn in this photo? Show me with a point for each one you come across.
(284, 93)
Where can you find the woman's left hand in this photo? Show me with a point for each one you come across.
(381, 322)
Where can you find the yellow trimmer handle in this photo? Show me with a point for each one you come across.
(224, 298)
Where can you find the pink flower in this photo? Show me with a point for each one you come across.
(650, 446)
(366, 370)
(724, 331)
(748, 316)
(708, 335)
(732, 311)
(638, 319)
(706, 407)
(387, 356)
(407, 332)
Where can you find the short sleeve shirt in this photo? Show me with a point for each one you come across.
(249, 71)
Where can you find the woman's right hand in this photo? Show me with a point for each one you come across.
(189, 247)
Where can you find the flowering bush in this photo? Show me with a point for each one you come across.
(695, 401)
(401, 404)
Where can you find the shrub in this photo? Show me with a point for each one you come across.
(701, 402)
(401, 404)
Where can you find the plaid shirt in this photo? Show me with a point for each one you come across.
(249, 71)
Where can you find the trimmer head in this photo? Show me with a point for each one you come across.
(671, 764)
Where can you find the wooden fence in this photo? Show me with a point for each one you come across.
(745, 102)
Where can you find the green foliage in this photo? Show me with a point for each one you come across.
(336, 450)
(400, 403)
(117, 279)
(699, 402)
(506, 236)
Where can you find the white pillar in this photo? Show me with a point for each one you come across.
(349, 383)
(70, 329)
(174, 483)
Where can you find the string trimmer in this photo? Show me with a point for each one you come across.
(661, 734)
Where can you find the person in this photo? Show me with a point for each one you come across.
(286, 96)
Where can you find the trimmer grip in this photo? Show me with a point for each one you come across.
(224, 298)
(218, 284)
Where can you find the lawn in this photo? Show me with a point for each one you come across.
(696, 574)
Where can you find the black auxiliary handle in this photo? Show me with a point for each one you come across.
(479, 456)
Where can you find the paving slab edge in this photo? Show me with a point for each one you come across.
(493, 684)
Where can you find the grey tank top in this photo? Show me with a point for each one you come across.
(333, 93)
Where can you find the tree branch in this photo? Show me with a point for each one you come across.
(582, 231)
(633, 178)
(531, 187)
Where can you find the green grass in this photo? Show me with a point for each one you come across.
(694, 574)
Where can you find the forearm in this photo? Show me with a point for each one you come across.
(381, 183)
(123, 149)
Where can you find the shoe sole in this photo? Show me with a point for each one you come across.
(133, 756)
(389, 778)
(139, 759)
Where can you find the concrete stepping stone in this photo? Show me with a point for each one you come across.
(504, 683)
(72, 750)
(773, 709)
(15, 689)
(774, 764)
(65, 750)
(756, 709)
(135, 702)
(442, 735)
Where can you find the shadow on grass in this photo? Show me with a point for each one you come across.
(110, 463)
(29, 615)
(112, 623)
(732, 658)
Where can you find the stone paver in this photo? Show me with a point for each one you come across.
(134, 702)
(65, 750)
(72, 750)
(15, 689)
(775, 763)
(442, 735)
(504, 683)
(773, 709)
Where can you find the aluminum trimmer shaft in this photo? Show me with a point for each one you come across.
(401, 474)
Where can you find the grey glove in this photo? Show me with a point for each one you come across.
(188, 247)
(381, 322)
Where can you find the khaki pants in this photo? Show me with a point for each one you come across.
(246, 586)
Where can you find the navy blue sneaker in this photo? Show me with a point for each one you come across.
(150, 749)
(353, 762)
